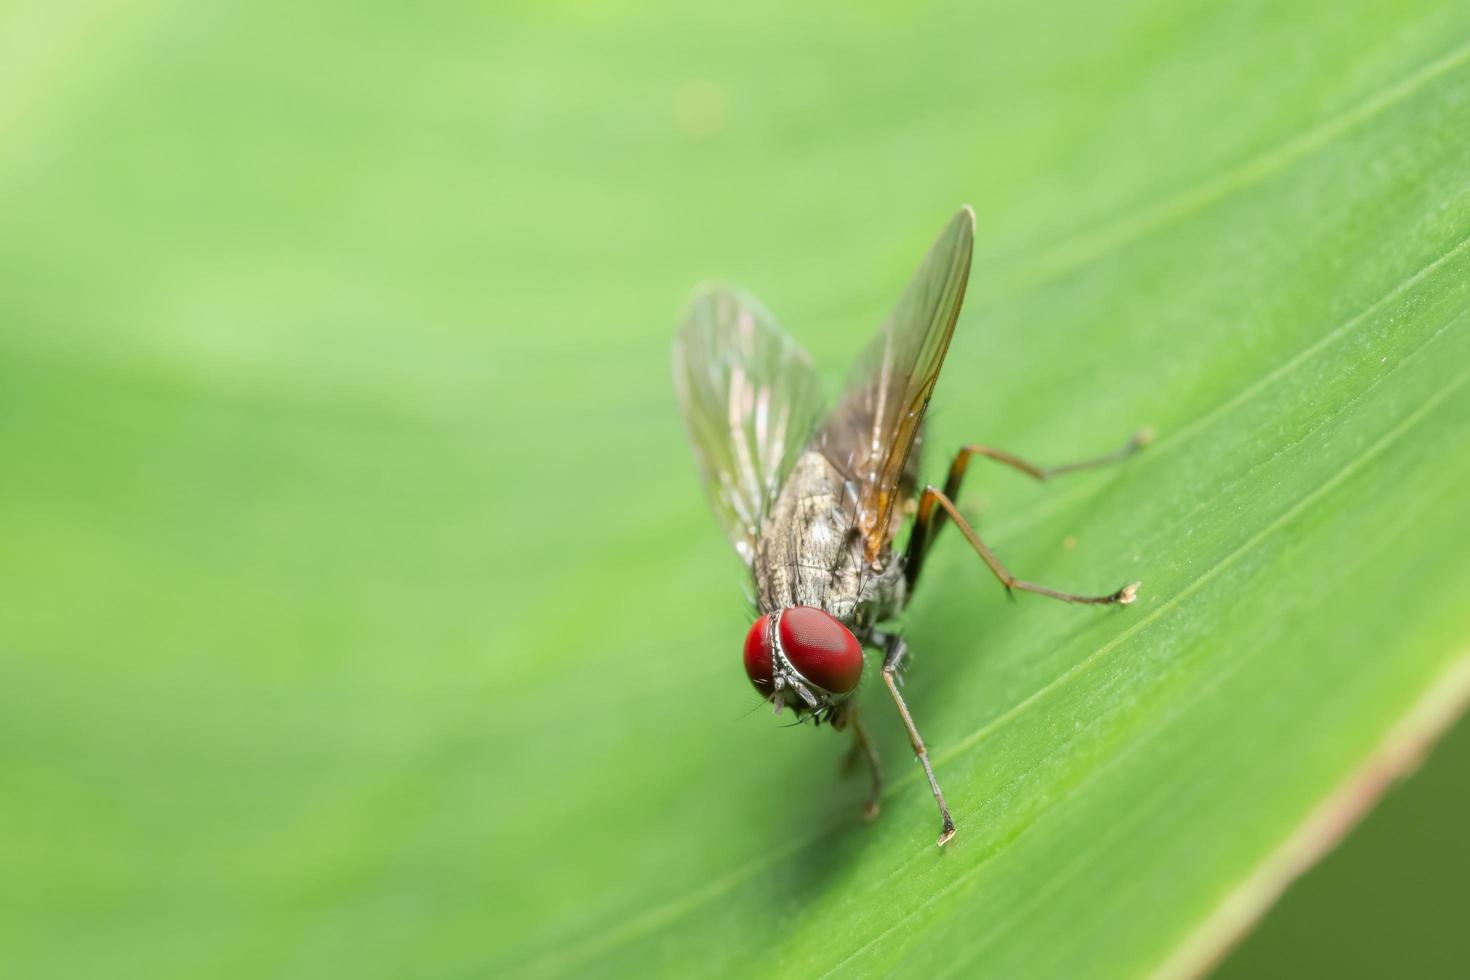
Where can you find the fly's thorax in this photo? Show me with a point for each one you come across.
(809, 551)
(805, 659)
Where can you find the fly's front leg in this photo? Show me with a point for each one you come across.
(894, 649)
(932, 497)
(862, 746)
(929, 521)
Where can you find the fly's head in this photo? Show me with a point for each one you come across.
(803, 658)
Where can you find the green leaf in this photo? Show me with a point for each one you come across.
(363, 616)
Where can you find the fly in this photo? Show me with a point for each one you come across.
(811, 502)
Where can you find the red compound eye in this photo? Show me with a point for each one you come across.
(758, 655)
(820, 647)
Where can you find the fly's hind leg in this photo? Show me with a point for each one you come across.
(1041, 474)
(894, 649)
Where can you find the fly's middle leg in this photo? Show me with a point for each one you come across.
(930, 520)
(933, 496)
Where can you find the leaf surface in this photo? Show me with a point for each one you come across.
(362, 614)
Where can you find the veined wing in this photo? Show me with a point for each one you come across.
(873, 429)
(750, 401)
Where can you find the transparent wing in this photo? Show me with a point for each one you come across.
(874, 428)
(750, 401)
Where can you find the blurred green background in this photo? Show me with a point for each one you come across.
(361, 615)
(1391, 900)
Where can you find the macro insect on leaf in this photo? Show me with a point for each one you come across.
(812, 503)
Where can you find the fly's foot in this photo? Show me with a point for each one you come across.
(870, 809)
(947, 834)
(1126, 594)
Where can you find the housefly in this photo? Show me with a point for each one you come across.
(811, 502)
